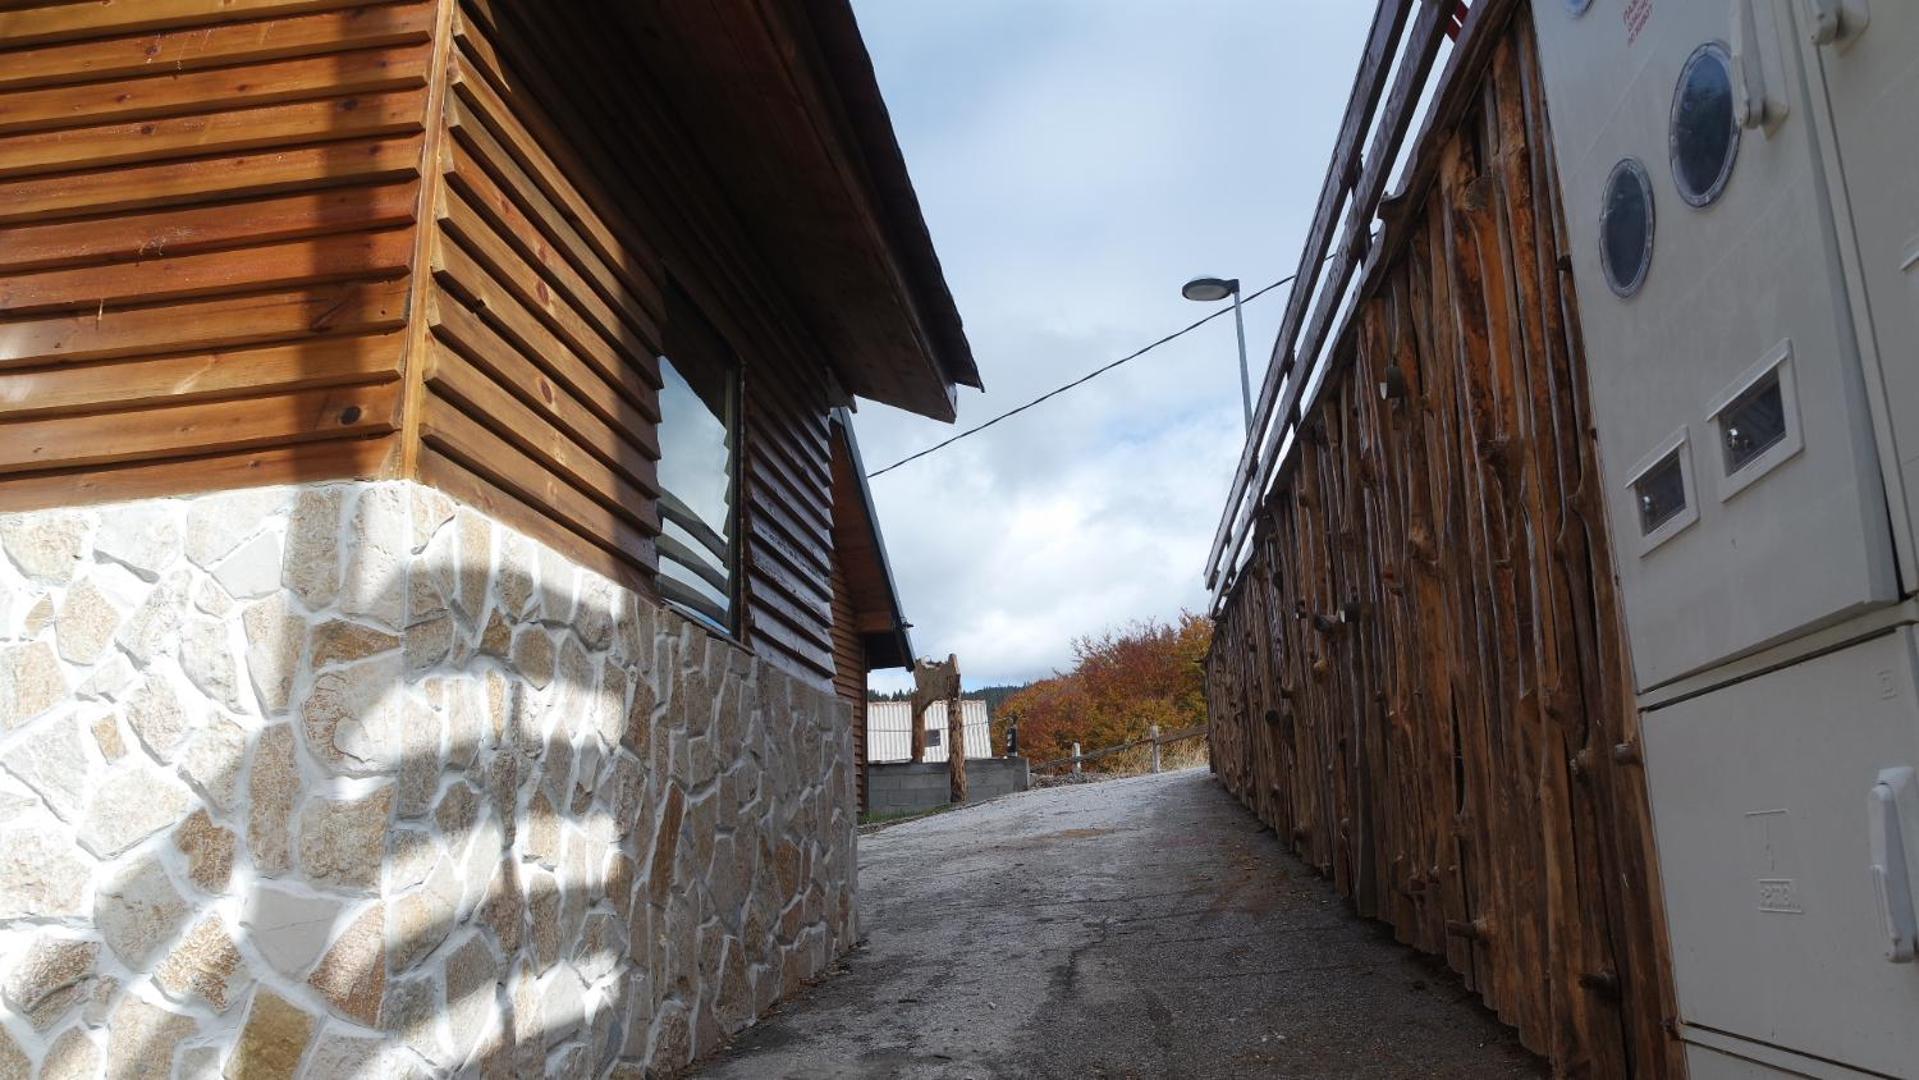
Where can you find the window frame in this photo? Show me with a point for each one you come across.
(1678, 445)
(1701, 199)
(676, 594)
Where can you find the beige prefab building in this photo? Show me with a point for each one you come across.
(889, 731)
(423, 594)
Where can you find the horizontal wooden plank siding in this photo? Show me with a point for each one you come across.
(571, 207)
(1418, 679)
(541, 378)
(208, 214)
(849, 673)
(264, 241)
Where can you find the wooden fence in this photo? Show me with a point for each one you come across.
(1418, 677)
(1153, 738)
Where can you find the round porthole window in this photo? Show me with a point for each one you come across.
(1625, 227)
(1704, 135)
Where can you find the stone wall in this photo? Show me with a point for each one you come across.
(899, 787)
(349, 780)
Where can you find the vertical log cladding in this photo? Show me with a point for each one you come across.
(1419, 678)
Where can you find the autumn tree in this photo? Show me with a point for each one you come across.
(1122, 682)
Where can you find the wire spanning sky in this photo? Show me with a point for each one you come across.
(1077, 160)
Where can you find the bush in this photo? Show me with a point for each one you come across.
(1122, 682)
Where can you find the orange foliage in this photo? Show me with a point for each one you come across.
(1122, 682)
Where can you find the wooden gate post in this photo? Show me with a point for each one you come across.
(955, 733)
(928, 686)
(1152, 732)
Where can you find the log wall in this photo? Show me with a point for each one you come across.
(1419, 679)
(206, 228)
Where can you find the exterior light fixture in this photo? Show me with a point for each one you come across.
(1208, 290)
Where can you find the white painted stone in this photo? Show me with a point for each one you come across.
(473, 974)
(311, 566)
(41, 876)
(420, 755)
(143, 537)
(289, 929)
(352, 717)
(418, 921)
(50, 978)
(31, 682)
(476, 563)
(154, 628)
(138, 909)
(593, 618)
(413, 1011)
(158, 718)
(73, 1056)
(340, 1054)
(133, 801)
(514, 579)
(87, 622)
(435, 576)
(414, 854)
(558, 585)
(48, 545)
(52, 760)
(431, 510)
(109, 678)
(209, 598)
(375, 585)
(206, 655)
(204, 968)
(142, 1038)
(343, 841)
(213, 759)
(218, 523)
(276, 639)
(253, 570)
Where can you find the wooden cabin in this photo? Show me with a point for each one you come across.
(427, 359)
(1565, 591)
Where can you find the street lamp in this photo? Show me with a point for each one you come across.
(1209, 290)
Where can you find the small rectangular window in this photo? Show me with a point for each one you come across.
(1661, 493)
(1754, 423)
(932, 736)
(699, 470)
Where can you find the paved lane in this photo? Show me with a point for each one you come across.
(1133, 928)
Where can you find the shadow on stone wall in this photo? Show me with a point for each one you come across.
(348, 781)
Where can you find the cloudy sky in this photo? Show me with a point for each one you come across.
(1077, 160)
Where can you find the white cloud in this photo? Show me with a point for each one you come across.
(1077, 160)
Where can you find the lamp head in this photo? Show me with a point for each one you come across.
(1209, 289)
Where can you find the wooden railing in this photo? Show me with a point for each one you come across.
(1153, 738)
(1355, 185)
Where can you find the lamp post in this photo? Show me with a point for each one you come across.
(1210, 290)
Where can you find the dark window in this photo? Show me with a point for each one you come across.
(1661, 493)
(932, 736)
(699, 470)
(1704, 135)
(1754, 423)
(1626, 227)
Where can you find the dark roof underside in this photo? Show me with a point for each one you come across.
(781, 99)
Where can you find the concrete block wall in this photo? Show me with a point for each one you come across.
(347, 779)
(905, 786)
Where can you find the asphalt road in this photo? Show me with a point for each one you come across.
(1135, 928)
